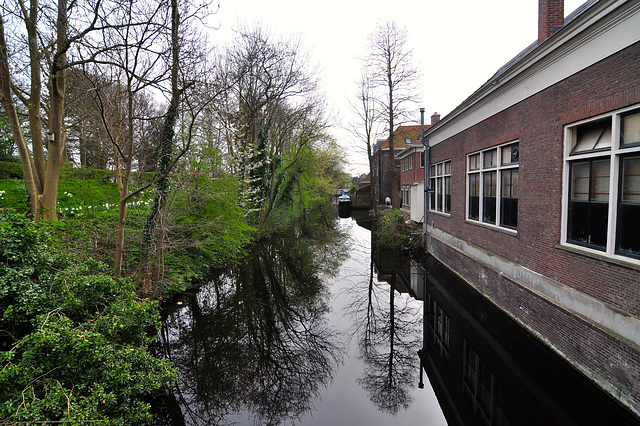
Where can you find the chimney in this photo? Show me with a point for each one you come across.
(435, 117)
(550, 18)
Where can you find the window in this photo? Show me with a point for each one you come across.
(439, 326)
(422, 160)
(407, 141)
(482, 390)
(440, 181)
(406, 163)
(602, 192)
(492, 176)
(406, 195)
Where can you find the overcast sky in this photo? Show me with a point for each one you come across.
(457, 44)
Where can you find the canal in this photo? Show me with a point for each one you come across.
(320, 327)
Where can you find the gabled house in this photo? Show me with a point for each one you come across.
(403, 137)
(541, 214)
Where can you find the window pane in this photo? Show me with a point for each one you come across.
(439, 184)
(593, 136)
(447, 194)
(631, 129)
(598, 215)
(440, 169)
(600, 181)
(509, 212)
(509, 154)
(631, 180)
(474, 196)
(422, 159)
(489, 185)
(589, 203)
(509, 198)
(628, 229)
(629, 208)
(578, 222)
(474, 162)
(605, 139)
(489, 197)
(432, 171)
(580, 181)
(447, 167)
(588, 223)
(432, 195)
(490, 159)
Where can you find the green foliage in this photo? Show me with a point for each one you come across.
(78, 337)
(11, 169)
(13, 193)
(209, 228)
(394, 230)
(7, 145)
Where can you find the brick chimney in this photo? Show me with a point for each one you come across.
(550, 18)
(435, 117)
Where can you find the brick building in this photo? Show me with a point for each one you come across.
(536, 200)
(403, 137)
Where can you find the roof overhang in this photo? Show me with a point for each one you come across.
(604, 28)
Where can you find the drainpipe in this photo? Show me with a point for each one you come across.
(427, 160)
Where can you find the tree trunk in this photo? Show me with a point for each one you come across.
(166, 138)
(12, 114)
(395, 178)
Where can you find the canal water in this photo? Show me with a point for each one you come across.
(320, 327)
(308, 332)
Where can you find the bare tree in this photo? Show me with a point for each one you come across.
(366, 127)
(395, 77)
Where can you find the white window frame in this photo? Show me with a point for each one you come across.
(406, 163)
(499, 169)
(438, 173)
(614, 155)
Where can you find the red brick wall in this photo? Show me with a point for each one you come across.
(612, 363)
(537, 123)
(413, 175)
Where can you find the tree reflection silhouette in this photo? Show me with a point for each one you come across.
(387, 326)
(254, 340)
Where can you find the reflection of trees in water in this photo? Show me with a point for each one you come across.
(387, 326)
(255, 339)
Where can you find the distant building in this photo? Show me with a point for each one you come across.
(536, 200)
(403, 137)
(412, 168)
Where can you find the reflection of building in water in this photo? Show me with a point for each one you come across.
(487, 370)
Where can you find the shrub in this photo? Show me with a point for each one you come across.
(394, 231)
(78, 348)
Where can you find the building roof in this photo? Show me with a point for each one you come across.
(402, 133)
(497, 77)
(531, 47)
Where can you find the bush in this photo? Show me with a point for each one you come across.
(11, 170)
(78, 338)
(394, 230)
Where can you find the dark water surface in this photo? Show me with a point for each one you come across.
(319, 327)
(307, 332)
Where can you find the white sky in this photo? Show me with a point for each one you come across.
(457, 44)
